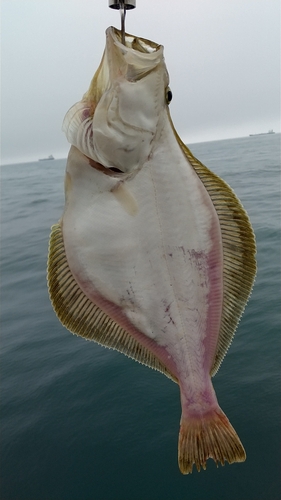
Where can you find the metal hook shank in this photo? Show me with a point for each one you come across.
(123, 15)
(122, 5)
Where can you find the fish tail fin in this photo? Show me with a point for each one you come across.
(208, 436)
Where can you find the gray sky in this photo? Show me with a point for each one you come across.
(222, 57)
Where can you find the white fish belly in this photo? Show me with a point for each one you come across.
(152, 247)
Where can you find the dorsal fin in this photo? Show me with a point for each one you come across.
(82, 317)
(239, 249)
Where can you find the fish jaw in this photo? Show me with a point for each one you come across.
(110, 125)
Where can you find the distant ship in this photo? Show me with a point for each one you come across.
(263, 133)
(49, 158)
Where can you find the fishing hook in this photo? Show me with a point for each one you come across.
(122, 5)
(123, 15)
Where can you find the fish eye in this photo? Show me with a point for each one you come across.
(169, 95)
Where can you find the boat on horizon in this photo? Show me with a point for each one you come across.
(271, 131)
(50, 157)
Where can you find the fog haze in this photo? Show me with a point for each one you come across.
(222, 57)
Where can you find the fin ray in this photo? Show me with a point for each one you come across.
(208, 436)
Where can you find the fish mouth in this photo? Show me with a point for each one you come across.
(136, 59)
(133, 42)
(132, 62)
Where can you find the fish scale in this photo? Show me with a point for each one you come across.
(154, 255)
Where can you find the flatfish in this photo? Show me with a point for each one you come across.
(154, 254)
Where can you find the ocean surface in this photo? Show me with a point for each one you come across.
(81, 422)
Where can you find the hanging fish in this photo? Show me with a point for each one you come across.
(154, 254)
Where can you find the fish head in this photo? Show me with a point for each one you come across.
(117, 121)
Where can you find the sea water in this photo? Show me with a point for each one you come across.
(81, 422)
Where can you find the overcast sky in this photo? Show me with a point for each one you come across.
(222, 57)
